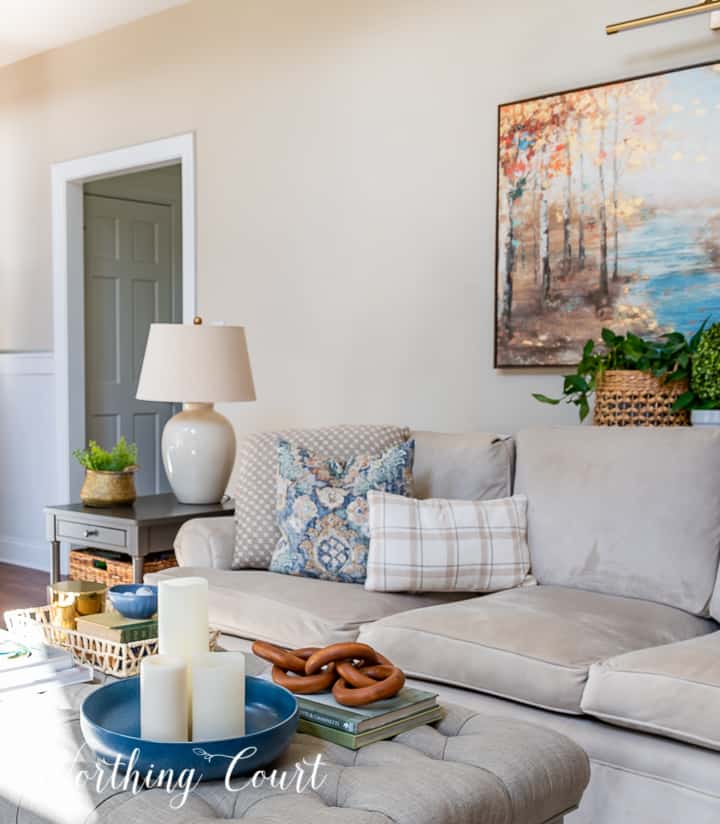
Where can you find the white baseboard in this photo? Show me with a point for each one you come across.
(24, 553)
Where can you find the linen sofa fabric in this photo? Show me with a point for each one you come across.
(624, 511)
(715, 600)
(257, 532)
(322, 508)
(530, 644)
(444, 546)
(671, 690)
(206, 542)
(293, 611)
(470, 466)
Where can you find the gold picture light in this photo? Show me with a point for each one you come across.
(664, 17)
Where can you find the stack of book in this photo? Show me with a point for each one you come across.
(111, 626)
(35, 666)
(355, 727)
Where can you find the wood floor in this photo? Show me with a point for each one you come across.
(21, 587)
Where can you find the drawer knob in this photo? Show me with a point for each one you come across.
(91, 533)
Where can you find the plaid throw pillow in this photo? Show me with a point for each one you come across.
(446, 546)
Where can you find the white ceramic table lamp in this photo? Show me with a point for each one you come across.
(199, 365)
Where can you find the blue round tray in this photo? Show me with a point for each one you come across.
(110, 723)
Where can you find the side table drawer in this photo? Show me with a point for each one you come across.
(73, 533)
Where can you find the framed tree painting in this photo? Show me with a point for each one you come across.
(608, 214)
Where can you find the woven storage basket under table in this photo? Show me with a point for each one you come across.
(110, 657)
(110, 568)
(624, 397)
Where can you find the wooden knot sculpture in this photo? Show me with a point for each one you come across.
(356, 673)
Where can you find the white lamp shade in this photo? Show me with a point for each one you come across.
(196, 364)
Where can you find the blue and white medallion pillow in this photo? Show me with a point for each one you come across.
(322, 508)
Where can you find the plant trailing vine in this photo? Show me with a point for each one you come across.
(668, 359)
(121, 458)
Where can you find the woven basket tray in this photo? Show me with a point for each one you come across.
(112, 568)
(628, 398)
(110, 657)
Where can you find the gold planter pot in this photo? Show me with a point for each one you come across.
(108, 488)
(70, 599)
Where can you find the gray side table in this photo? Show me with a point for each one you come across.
(149, 525)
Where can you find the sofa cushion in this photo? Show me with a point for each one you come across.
(531, 644)
(625, 511)
(673, 690)
(446, 546)
(469, 466)
(290, 611)
(257, 531)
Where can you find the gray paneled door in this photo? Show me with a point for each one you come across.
(128, 286)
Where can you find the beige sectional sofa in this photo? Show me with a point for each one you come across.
(617, 645)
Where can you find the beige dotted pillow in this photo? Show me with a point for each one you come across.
(256, 530)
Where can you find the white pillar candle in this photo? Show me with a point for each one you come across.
(163, 698)
(218, 688)
(183, 617)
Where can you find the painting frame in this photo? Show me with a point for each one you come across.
(498, 362)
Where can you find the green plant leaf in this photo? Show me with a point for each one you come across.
(545, 399)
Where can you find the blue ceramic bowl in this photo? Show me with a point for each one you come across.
(127, 602)
(110, 723)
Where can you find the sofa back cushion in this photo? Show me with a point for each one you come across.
(469, 466)
(624, 511)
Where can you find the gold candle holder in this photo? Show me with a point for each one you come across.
(70, 599)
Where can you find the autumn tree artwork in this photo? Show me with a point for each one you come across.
(608, 215)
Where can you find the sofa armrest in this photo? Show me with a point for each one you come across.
(206, 542)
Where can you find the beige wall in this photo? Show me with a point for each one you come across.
(345, 179)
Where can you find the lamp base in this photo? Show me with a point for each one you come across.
(198, 451)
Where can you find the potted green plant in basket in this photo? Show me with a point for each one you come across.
(705, 379)
(636, 382)
(109, 476)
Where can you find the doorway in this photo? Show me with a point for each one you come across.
(69, 179)
(133, 277)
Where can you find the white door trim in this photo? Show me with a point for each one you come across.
(68, 178)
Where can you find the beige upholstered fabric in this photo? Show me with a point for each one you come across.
(626, 511)
(635, 778)
(469, 466)
(673, 690)
(292, 611)
(531, 644)
(715, 601)
(446, 546)
(206, 542)
(464, 770)
(255, 516)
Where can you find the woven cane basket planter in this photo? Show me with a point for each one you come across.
(629, 398)
(111, 657)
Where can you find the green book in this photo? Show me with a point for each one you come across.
(323, 709)
(112, 626)
(355, 742)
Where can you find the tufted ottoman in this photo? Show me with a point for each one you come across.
(468, 769)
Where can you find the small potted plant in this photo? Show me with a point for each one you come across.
(109, 476)
(705, 379)
(636, 382)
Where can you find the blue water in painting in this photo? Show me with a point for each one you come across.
(683, 285)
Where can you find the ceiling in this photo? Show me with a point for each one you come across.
(28, 27)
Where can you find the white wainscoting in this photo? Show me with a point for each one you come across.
(28, 455)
